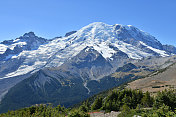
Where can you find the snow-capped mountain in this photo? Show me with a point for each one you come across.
(81, 60)
(10, 51)
(11, 48)
(106, 39)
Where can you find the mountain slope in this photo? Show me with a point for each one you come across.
(11, 49)
(68, 87)
(85, 59)
(116, 43)
(158, 81)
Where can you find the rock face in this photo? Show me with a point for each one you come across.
(78, 65)
(170, 48)
(89, 64)
(70, 33)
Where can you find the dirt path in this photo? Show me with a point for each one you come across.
(101, 114)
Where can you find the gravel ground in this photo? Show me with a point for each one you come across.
(101, 114)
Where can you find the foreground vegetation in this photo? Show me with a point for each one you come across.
(129, 102)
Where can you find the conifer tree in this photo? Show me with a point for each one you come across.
(97, 103)
(147, 101)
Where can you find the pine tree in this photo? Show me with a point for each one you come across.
(97, 103)
(147, 101)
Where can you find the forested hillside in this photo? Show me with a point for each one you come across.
(128, 102)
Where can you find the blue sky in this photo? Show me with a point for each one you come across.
(51, 18)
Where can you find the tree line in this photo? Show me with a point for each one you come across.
(129, 102)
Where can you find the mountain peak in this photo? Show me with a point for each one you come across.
(29, 34)
(117, 26)
(70, 33)
(96, 24)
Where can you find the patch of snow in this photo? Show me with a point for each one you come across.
(14, 56)
(22, 70)
(3, 48)
(87, 49)
(130, 50)
(105, 50)
(16, 40)
(9, 56)
(20, 44)
(161, 52)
